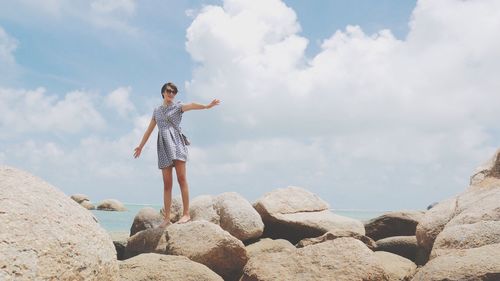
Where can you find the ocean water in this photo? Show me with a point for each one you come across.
(122, 221)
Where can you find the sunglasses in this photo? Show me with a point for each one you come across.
(170, 91)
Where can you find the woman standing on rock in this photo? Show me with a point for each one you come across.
(171, 146)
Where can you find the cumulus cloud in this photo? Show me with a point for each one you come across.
(36, 111)
(119, 100)
(393, 116)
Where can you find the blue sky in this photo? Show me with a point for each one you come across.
(370, 104)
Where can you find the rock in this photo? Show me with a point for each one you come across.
(468, 221)
(489, 169)
(465, 236)
(432, 223)
(152, 267)
(47, 236)
(290, 200)
(393, 224)
(146, 218)
(268, 245)
(87, 205)
(339, 259)
(175, 210)
(111, 205)
(120, 241)
(151, 240)
(396, 267)
(79, 198)
(294, 213)
(405, 246)
(202, 208)
(208, 244)
(332, 235)
(480, 263)
(238, 217)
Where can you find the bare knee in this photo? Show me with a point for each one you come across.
(167, 186)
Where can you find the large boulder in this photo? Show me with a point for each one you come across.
(146, 218)
(156, 267)
(231, 211)
(405, 246)
(459, 236)
(111, 205)
(402, 223)
(150, 240)
(208, 244)
(396, 267)
(482, 264)
(339, 259)
(294, 213)
(48, 236)
(238, 217)
(268, 245)
(203, 208)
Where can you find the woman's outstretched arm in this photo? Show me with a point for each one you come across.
(197, 106)
(145, 138)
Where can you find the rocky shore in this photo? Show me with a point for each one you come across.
(287, 234)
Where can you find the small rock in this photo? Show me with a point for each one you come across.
(111, 205)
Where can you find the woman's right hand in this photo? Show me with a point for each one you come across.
(137, 152)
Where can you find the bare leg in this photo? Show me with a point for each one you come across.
(167, 195)
(180, 170)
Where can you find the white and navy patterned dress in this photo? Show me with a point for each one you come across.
(170, 145)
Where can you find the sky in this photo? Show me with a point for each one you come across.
(374, 105)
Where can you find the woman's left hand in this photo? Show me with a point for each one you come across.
(213, 103)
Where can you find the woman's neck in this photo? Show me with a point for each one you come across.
(167, 103)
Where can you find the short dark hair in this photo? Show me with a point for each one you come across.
(168, 84)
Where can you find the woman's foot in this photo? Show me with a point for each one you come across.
(184, 219)
(164, 224)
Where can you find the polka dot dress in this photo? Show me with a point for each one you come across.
(170, 145)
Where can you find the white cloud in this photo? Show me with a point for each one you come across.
(8, 65)
(35, 111)
(103, 14)
(394, 116)
(119, 100)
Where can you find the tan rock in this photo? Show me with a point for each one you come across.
(268, 245)
(490, 168)
(111, 205)
(294, 213)
(151, 240)
(87, 205)
(47, 236)
(288, 201)
(238, 217)
(480, 263)
(156, 267)
(202, 208)
(401, 223)
(340, 259)
(466, 236)
(208, 244)
(405, 246)
(79, 198)
(396, 267)
(332, 235)
(146, 218)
